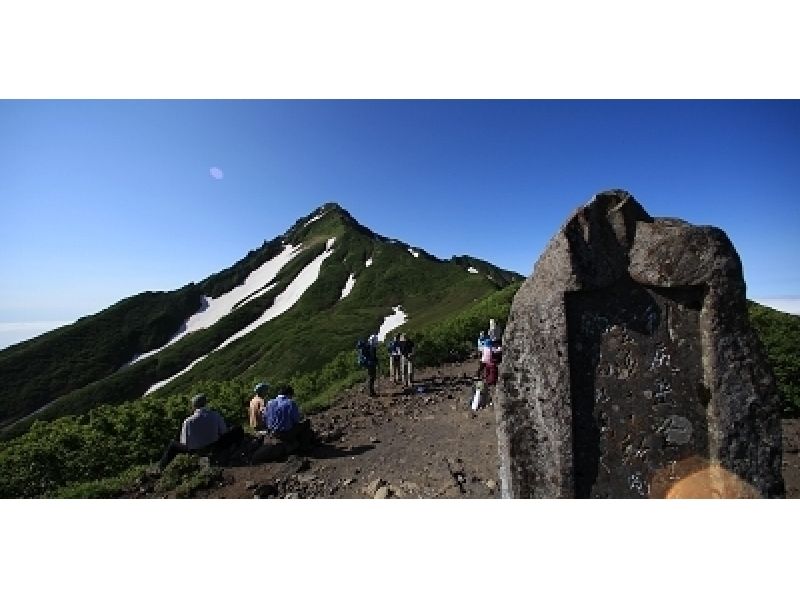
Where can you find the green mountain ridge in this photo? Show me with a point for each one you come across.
(70, 370)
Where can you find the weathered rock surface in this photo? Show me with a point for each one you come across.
(628, 356)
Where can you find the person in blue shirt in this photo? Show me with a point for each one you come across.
(285, 422)
(282, 413)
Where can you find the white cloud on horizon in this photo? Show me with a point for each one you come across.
(789, 304)
(12, 333)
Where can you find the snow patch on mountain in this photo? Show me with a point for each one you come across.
(314, 219)
(472, 270)
(412, 252)
(369, 262)
(213, 309)
(348, 286)
(398, 318)
(282, 303)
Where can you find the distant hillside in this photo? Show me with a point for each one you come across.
(780, 334)
(72, 369)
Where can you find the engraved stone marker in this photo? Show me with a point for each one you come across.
(628, 354)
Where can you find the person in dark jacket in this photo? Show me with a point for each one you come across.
(372, 364)
(395, 371)
(407, 360)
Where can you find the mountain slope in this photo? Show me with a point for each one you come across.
(780, 334)
(302, 298)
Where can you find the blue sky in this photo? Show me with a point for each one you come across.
(103, 199)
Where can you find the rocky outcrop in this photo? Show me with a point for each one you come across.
(629, 363)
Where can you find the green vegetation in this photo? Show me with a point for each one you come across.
(54, 364)
(498, 275)
(780, 335)
(112, 487)
(93, 455)
(187, 474)
(105, 443)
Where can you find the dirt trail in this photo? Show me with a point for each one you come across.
(421, 445)
(425, 444)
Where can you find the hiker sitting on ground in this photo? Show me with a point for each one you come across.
(283, 418)
(257, 404)
(203, 429)
(286, 425)
(395, 372)
(407, 360)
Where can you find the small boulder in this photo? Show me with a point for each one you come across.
(382, 492)
(373, 486)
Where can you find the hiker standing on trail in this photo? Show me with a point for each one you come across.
(257, 404)
(395, 372)
(367, 355)
(490, 358)
(205, 428)
(407, 360)
(483, 341)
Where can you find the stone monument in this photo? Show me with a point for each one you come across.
(630, 364)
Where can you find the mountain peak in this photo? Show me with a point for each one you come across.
(326, 211)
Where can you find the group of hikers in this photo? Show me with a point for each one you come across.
(401, 360)
(280, 419)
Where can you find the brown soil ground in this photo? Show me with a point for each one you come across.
(423, 443)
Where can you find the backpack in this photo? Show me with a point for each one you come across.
(362, 353)
(497, 356)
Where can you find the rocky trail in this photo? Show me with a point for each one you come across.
(424, 443)
(421, 443)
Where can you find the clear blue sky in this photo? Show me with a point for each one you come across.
(101, 200)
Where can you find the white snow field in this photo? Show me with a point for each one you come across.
(282, 303)
(412, 252)
(314, 219)
(472, 270)
(348, 286)
(369, 262)
(398, 318)
(214, 309)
